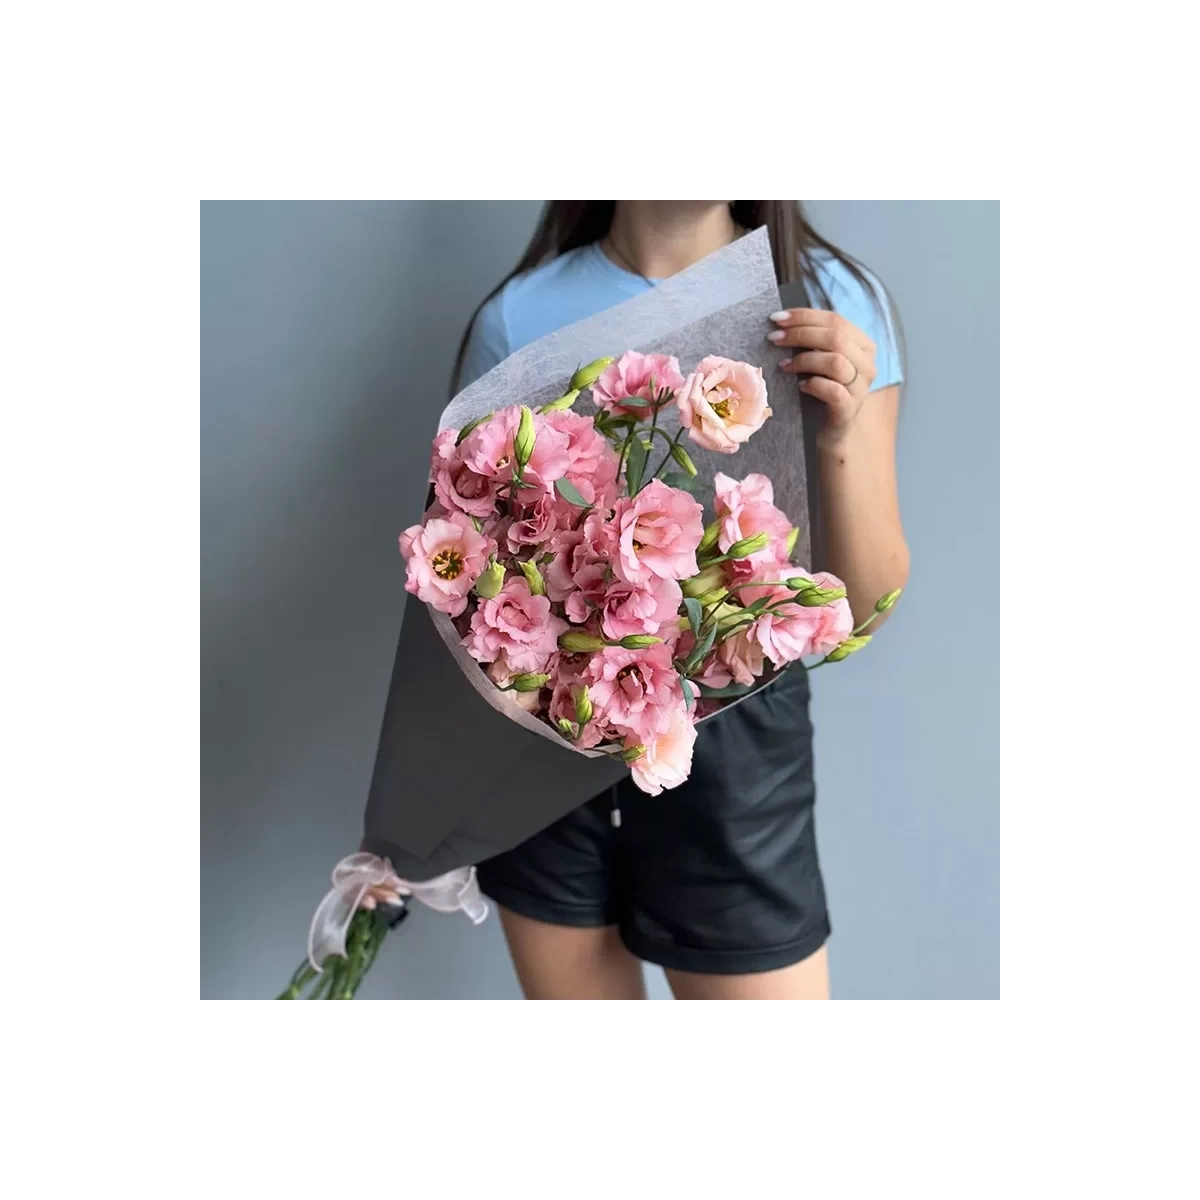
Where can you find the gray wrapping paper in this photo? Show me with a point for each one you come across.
(462, 773)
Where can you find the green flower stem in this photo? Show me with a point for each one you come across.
(724, 632)
(349, 980)
(322, 984)
(360, 930)
(300, 977)
(875, 615)
(707, 610)
(368, 949)
(654, 431)
(345, 982)
(732, 625)
(774, 606)
(624, 451)
(777, 605)
(737, 587)
(342, 987)
(671, 442)
(330, 969)
(338, 979)
(378, 933)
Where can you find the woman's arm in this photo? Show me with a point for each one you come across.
(857, 452)
(864, 536)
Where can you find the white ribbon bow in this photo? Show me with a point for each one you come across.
(358, 874)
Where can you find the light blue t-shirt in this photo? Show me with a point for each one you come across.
(586, 281)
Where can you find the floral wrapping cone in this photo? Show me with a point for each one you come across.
(463, 770)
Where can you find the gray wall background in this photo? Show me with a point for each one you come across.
(328, 330)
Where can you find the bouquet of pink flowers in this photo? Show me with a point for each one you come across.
(580, 574)
(567, 566)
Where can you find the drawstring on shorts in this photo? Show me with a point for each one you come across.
(615, 815)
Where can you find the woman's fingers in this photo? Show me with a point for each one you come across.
(836, 356)
(836, 367)
(820, 337)
(819, 318)
(826, 349)
(835, 396)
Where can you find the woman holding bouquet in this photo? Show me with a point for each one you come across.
(719, 882)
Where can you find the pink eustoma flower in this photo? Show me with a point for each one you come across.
(627, 608)
(445, 557)
(630, 375)
(658, 531)
(457, 487)
(559, 573)
(537, 523)
(722, 403)
(668, 758)
(592, 464)
(590, 588)
(488, 450)
(635, 691)
(580, 563)
(792, 631)
(741, 656)
(746, 507)
(515, 627)
(562, 705)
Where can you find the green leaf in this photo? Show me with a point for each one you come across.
(635, 466)
(689, 693)
(570, 493)
(685, 483)
(695, 614)
(633, 402)
(704, 642)
(725, 693)
(759, 604)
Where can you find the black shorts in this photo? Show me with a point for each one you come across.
(718, 876)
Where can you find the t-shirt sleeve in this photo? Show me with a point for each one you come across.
(487, 344)
(871, 311)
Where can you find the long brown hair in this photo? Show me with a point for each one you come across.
(568, 224)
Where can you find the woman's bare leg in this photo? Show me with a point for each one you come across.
(806, 980)
(562, 962)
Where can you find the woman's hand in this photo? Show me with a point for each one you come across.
(865, 543)
(838, 357)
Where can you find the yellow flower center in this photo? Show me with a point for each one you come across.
(724, 408)
(447, 564)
